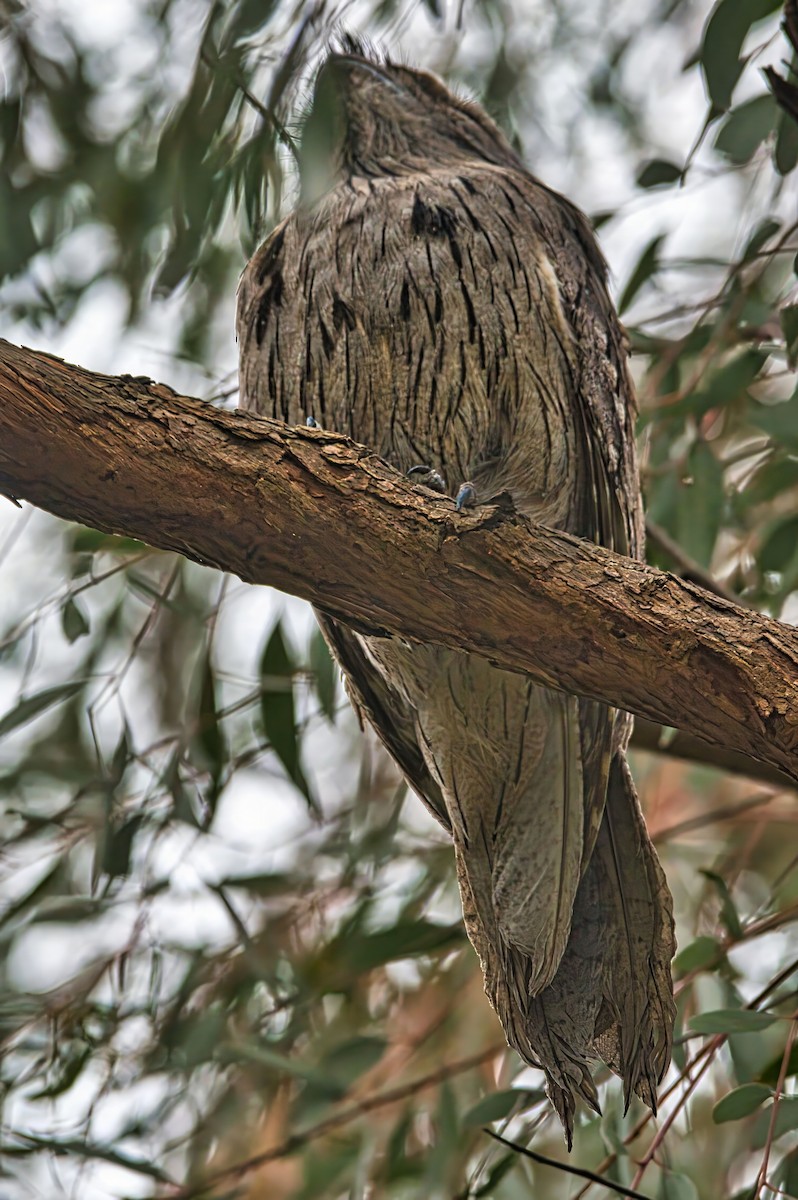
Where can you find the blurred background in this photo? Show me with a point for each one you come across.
(232, 960)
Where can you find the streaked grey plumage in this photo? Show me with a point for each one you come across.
(431, 299)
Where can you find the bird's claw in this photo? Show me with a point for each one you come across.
(466, 496)
(428, 476)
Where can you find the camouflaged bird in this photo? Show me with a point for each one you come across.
(434, 301)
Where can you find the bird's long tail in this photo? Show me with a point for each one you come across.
(611, 997)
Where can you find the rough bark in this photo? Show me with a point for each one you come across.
(314, 514)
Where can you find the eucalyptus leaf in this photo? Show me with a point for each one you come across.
(33, 706)
(658, 172)
(74, 621)
(498, 1105)
(647, 266)
(721, 50)
(746, 128)
(731, 1020)
(700, 953)
(789, 325)
(278, 669)
(740, 1102)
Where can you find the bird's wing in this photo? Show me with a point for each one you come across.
(612, 513)
(608, 510)
(626, 957)
(385, 710)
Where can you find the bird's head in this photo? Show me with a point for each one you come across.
(373, 117)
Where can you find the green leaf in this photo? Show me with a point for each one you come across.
(786, 1121)
(598, 219)
(89, 541)
(273, 884)
(700, 503)
(740, 1102)
(69, 909)
(321, 1173)
(770, 1073)
(779, 546)
(74, 621)
(785, 155)
(728, 910)
(498, 1105)
(118, 847)
(677, 1187)
(208, 746)
(324, 673)
(396, 1161)
(779, 421)
(764, 231)
(658, 171)
(70, 1068)
(731, 1020)
(497, 1174)
(703, 952)
(277, 669)
(724, 386)
(725, 33)
(787, 1173)
(746, 128)
(260, 1052)
(54, 878)
(789, 324)
(352, 1058)
(405, 940)
(32, 706)
(777, 474)
(647, 265)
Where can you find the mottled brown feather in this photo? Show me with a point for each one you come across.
(433, 300)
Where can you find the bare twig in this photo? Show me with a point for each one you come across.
(581, 1172)
(337, 1120)
(686, 566)
(762, 1177)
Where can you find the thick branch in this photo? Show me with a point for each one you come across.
(316, 515)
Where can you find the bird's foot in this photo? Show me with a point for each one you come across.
(428, 476)
(466, 496)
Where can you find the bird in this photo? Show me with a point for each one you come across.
(431, 299)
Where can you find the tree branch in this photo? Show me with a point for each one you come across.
(314, 514)
(686, 746)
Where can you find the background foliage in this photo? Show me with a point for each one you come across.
(228, 935)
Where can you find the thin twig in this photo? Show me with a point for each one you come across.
(726, 812)
(662, 1132)
(708, 1051)
(762, 1177)
(582, 1172)
(687, 567)
(351, 1113)
(215, 64)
